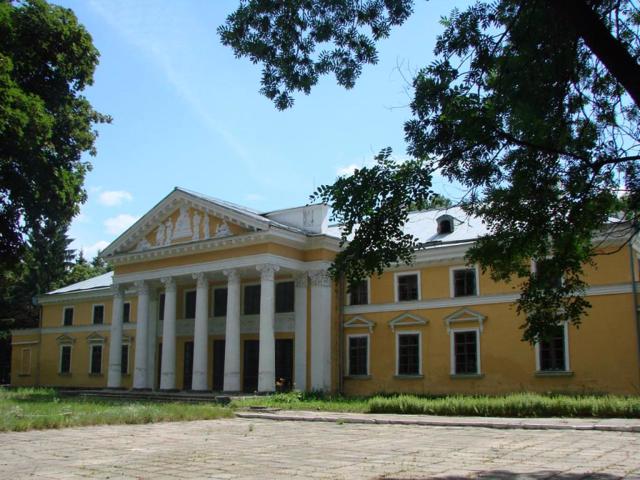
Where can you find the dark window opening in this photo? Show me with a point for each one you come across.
(161, 307)
(284, 297)
(124, 360)
(190, 304)
(68, 317)
(409, 354)
(445, 226)
(98, 314)
(65, 359)
(252, 299)
(407, 287)
(552, 352)
(96, 359)
(464, 282)
(126, 313)
(466, 352)
(219, 302)
(358, 353)
(359, 293)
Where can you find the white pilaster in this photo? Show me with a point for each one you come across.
(232, 334)
(267, 357)
(115, 346)
(300, 347)
(168, 373)
(142, 324)
(320, 330)
(201, 334)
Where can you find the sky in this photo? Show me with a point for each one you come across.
(187, 113)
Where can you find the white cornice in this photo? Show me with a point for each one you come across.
(615, 289)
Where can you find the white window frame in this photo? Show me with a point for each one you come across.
(184, 302)
(348, 294)
(359, 335)
(91, 347)
(452, 283)
(73, 316)
(23, 371)
(452, 348)
(408, 332)
(60, 372)
(242, 291)
(213, 299)
(396, 275)
(567, 365)
(129, 303)
(93, 313)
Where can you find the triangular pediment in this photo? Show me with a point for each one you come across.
(182, 217)
(465, 315)
(65, 340)
(95, 338)
(407, 319)
(360, 322)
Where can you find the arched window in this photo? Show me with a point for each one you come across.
(445, 224)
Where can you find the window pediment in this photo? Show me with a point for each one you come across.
(407, 319)
(95, 338)
(65, 340)
(464, 315)
(360, 322)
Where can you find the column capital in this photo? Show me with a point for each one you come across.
(267, 270)
(201, 277)
(117, 290)
(302, 280)
(232, 275)
(320, 278)
(142, 287)
(169, 284)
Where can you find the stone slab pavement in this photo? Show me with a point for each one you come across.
(244, 448)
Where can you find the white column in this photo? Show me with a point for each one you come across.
(201, 334)
(232, 334)
(168, 373)
(320, 330)
(115, 346)
(267, 358)
(142, 323)
(300, 308)
(152, 338)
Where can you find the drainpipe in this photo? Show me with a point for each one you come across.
(341, 297)
(634, 290)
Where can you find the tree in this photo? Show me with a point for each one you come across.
(532, 105)
(46, 59)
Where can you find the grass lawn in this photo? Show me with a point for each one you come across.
(38, 408)
(515, 405)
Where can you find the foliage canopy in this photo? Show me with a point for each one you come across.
(531, 105)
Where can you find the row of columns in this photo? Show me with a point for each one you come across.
(320, 333)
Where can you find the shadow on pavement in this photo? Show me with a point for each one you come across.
(508, 475)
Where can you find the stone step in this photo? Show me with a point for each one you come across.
(127, 395)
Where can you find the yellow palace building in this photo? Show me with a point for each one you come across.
(209, 296)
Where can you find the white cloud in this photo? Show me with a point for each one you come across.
(113, 198)
(348, 170)
(91, 251)
(118, 224)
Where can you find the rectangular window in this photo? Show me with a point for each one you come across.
(284, 297)
(161, 307)
(126, 312)
(98, 314)
(407, 287)
(358, 355)
(252, 299)
(68, 316)
(96, 359)
(408, 354)
(25, 362)
(465, 352)
(464, 282)
(65, 359)
(359, 293)
(552, 352)
(124, 360)
(190, 304)
(219, 302)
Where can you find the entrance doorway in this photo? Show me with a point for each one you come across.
(218, 365)
(284, 364)
(250, 370)
(188, 366)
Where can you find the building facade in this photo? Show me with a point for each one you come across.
(206, 295)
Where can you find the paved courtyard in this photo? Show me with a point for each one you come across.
(250, 448)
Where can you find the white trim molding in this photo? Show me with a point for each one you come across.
(348, 337)
(359, 322)
(405, 320)
(464, 315)
(452, 284)
(406, 274)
